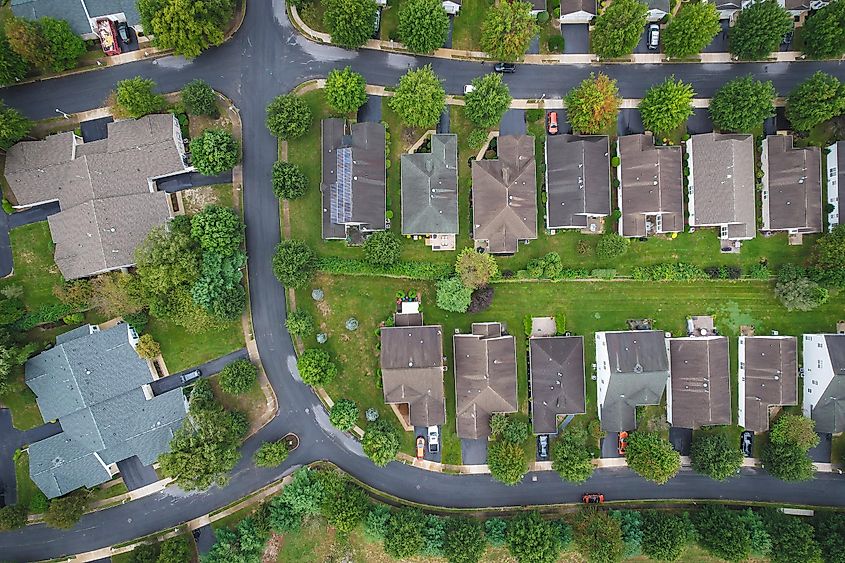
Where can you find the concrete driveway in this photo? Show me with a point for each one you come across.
(576, 38)
(720, 42)
(208, 369)
(474, 452)
(513, 122)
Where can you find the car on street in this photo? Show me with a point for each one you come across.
(653, 37)
(746, 441)
(420, 447)
(551, 123)
(433, 439)
(506, 68)
(543, 447)
(123, 31)
(593, 498)
(623, 443)
(190, 376)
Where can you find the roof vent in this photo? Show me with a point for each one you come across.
(638, 368)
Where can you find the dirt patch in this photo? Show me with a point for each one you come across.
(196, 199)
(199, 123)
(271, 551)
(324, 308)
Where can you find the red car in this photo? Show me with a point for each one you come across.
(551, 126)
(623, 443)
(593, 498)
(420, 447)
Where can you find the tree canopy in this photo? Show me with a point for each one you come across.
(294, 263)
(136, 98)
(508, 29)
(350, 22)
(316, 367)
(214, 152)
(506, 461)
(489, 100)
(531, 539)
(186, 26)
(742, 104)
(464, 541)
(13, 67)
(199, 99)
(345, 90)
(453, 295)
(218, 229)
(299, 322)
(598, 536)
(722, 532)
(13, 126)
(288, 117)
(792, 539)
(403, 536)
(713, 455)
(289, 181)
(238, 377)
(689, 32)
(664, 535)
(475, 269)
(593, 105)
(64, 46)
(801, 294)
(423, 25)
(380, 442)
(344, 414)
(652, 457)
(244, 544)
(666, 106)
(824, 32)
(64, 512)
(759, 30)
(419, 99)
(271, 454)
(796, 429)
(25, 39)
(618, 29)
(817, 99)
(382, 248)
(828, 257)
(570, 458)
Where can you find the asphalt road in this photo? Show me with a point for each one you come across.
(267, 58)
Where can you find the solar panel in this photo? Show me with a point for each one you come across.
(341, 190)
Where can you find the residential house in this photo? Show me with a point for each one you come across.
(835, 178)
(792, 189)
(798, 8)
(768, 377)
(106, 189)
(824, 381)
(452, 7)
(632, 370)
(96, 386)
(485, 378)
(504, 196)
(577, 181)
(354, 179)
(82, 15)
(412, 368)
(722, 184)
(651, 188)
(727, 8)
(556, 380)
(577, 11)
(699, 392)
(657, 9)
(430, 193)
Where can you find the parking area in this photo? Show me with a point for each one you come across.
(513, 122)
(630, 122)
(429, 456)
(610, 445)
(563, 126)
(680, 438)
(371, 110)
(700, 122)
(642, 46)
(720, 42)
(135, 474)
(576, 38)
(474, 452)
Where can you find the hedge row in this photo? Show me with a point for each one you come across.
(46, 314)
(669, 272)
(412, 270)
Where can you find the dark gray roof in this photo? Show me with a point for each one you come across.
(771, 377)
(430, 188)
(638, 371)
(485, 378)
(700, 382)
(793, 176)
(577, 179)
(723, 176)
(829, 412)
(412, 371)
(651, 184)
(504, 195)
(662, 5)
(74, 13)
(362, 186)
(573, 6)
(557, 380)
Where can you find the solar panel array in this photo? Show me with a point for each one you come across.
(341, 190)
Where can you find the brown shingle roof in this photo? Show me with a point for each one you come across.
(504, 195)
(485, 378)
(793, 179)
(557, 380)
(771, 377)
(572, 6)
(700, 388)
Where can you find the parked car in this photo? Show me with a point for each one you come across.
(653, 37)
(190, 376)
(505, 67)
(433, 439)
(420, 447)
(468, 88)
(746, 441)
(623, 443)
(593, 498)
(551, 123)
(543, 447)
(123, 31)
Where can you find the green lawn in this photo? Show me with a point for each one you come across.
(312, 14)
(390, 21)
(35, 271)
(27, 490)
(21, 401)
(252, 403)
(182, 349)
(467, 31)
(114, 490)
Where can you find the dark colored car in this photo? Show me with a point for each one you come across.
(507, 68)
(746, 441)
(543, 447)
(593, 498)
(123, 31)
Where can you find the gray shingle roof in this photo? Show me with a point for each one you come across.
(73, 12)
(793, 177)
(700, 382)
(771, 377)
(557, 380)
(430, 188)
(829, 412)
(577, 179)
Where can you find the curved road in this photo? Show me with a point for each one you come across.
(266, 58)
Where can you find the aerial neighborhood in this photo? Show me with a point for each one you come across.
(422, 280)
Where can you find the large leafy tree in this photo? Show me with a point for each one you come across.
(294, 263)
(511, 428)
(380, 442)
(419, 99)
(12, 66)
(593, 105)
(288, 117)
(475, 269)
(218, 229)
(666, 106)
(761, 543)
(345, 507)
(830, 535)
(403, 536)
(742, 104)
(802, 294)
(489, 100)
(828, 258)
(464, 541)
(508, 29)
(453, 295)
(824, 32)
(214, 151)
(26, 39)
(176, 550)
(244, 544)
(598, 536)
(689, 32)
(271, 454)
(13, 126)
(289, 181)
(64, 46)
(344, 414)
(618, 28)
(316, 367)
(722, 532)
(186, 26)
(664, 535)
(506, 461)
(345, 90)
(351, 22)
(64, 512)
(652, 457)
(792, 539)
(796, 429)
(13, 516)
(531, 539)
(713, 455)
(817, 99)
(136, 98)
(305, 493)
(423, 25)
(759, 29)
(382, 248)
(166, 262)
(238, 377)
(787, 462)
(218, 289)
(199, 99)
(571, 459)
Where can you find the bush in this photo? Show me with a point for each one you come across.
(555, 44)
(510, 428)
(668, 272)
(345, 90)
(382, 248)
(375, 523)
(73, 319)
(758, 272)
(147, 347)
(271, 454)
(44, 314)
(723, 533)
(652, 457)
(664, 535)
(411, 270)
(542, 17)
(611, 245)
(530, 538)
(475, 269)
(214, 152)
(380, 442)
(13, 516)
(294, 263)
(199, 99)
(506, 462)
(476, 139)
(289, 181)
(496, 530)
(288, 117)
(481, 300)
(344, 414)
(316, 367)
(238, 377)
(801, 295)
(138, 320)
(299, 323)
(454, 296)
(136, 98)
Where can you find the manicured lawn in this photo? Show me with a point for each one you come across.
(390, 21)
(35, 271)
(27, 490)
(21, 401)
(312, 14)
(182, 349)
(467, 31)
(110, 492)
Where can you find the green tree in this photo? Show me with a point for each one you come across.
(666, 106)
(64, 512)
(13, 516)
(346, 508)
(186, 26)
(64, 46)
(713, 455)
(531, 539)
(495, 529)
(801, 295)
(219, 290)
(350, 22)
(612, 245)
(453, 295)
(508, 29)
(282, 517)
(664, 535)
(599, 537)
(618, 29)
(135, 97)
(630, 523)
(792, 539)
(288, 117)
(289, 181)
(238, 377)
(464, 542)
(375, 523)
(692, 30)
(305, 493)
(824, 32)
(218, 229)
(571, 459)
(506, 461)
(760, 542)
(147, 347)
(434, 535)
(759, 29)
(271, 454)
(511, 428)
(344, 414)
(11, 356)
(593, 105)
(214, 151)
(380, 442)
(177, 549)
(489, 100)
(475, 269)
(652, 457)
(294, 263)
(830, 535)
(244, 544)
(403, 536)
(13, 126)
(382, 248)
(742, 104)
(787, 461)
(345, 90)
(419, 98)
(828, 258)
(199, 99)
(423, 25)
(299, 323)
(26, 40)
(316, 367)
(817, 99)
(12, 66)
(722, 532)
(795, 429)
(145, 553)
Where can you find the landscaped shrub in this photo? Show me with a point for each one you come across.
(199, 99)
(215, 151)
(271, 454)
(138, 320)
(382, 248)
(723, 272)
(73, 319)
(555, 44)
(316, 367)
(412, 270)
(668, 272)
(288, 117)
(611, 245)
(452, 295)
(344, 414)
(476, 139)
(542, 17)
(289, 181)
(238, 377)
(44, 314)
(603, 273)
(481, 299)
(299, 323)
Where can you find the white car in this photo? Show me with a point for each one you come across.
(433, 439)
(468, 88)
